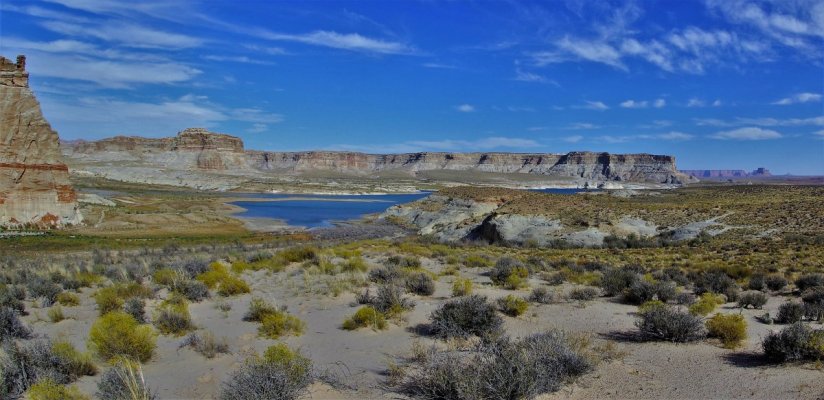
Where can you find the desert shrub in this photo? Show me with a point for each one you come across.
(542, 295)
(670, 324)
(12, 297)
(206, 344)
(39, 287)
(280, 323)
(757, 281)
(232, 285)
(639, 292)
(420, 283)
(365, 316)
(775, 282)
(77, 364)
(666, 291)
(814, 303)
(173, 318)
(354, 264)
(477, 261)
(646, 306)
(461, 287)
(715, 282)
(124, 382)
(136, 308)
(389, 300)
(807, 281)
(56, 314)
(464, 317)
(752, 298)
(503, 369)
(194, 267)
(258, 308)
(685, 298)
(385, 274)
(790, 313)
(23, 365)
(509, 273)
(191, 289)
(68, 299)
(278, 375)
(119, 334)
(553, 279)
(512, 305)
(706, 304)
(404, 262)
(299, 254)
(794, 343)
(107, 301)
(165, 276)
(731, 329)
(10, 325)
(673, 274)
(616, 280)
(583, 293)
(48, 389)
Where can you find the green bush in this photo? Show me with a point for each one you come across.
(119, 334)
(752, 298)
(670, 324)
(280, 374)
(79, 364)
(354, 264)
(649, 305)
(232, 285)
(173, 318)
(48, 389)
(616, 280)
(420, 283)
(466, 316)
(273, 326)
(512, 305)
(299, 254)
(165, 276)
(56, 314)
(124, 382)
(108, 301)
(794, 343)
(730, 328)
(583, 293)
(68, 299)
(509, 273)
(461, 287)
(706, 304)
(790, 313)
(258, 308)
(365, 316)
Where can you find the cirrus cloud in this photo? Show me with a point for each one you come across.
(747, 133)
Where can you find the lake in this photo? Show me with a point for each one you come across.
(317, 211)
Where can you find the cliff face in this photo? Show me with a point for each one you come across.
(192, 148)
(34, 181)
(726, 173)
(645, 168)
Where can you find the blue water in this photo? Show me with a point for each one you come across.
(313, 211)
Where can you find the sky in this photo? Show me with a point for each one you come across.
(720, 84)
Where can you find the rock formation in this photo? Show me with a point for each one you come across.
(726, 173)
(34, 181)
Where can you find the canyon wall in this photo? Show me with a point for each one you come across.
(34, 181)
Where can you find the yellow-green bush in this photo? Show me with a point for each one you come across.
(354, 264)
(232, 285)
(119, 334)
(56, 314)
(68, 299)
(730, 328)
(215, 275)
(48, 389)
(87, 279)
(165, 276)
(512, 305)
(365, 316)
(461, 287)
(280, 323)
(649, 305)
(172, 317)
(477, 261)
(706, 304)
(282, 355)
(108, 300)
(298, 254)
(81, 364)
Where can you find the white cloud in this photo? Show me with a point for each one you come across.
(575, 49)
(258, 128)
(255, 115)
(716, 103)
(467, 108)
(694, 102)
(669, 136)
(525, 76)
(582, 125)
(438, 65)
(634, 104)
(819, 134)
(237, 59)
(344, 41)
(675, 136)
(764, 121)
(793, 24)
(127, 34)
(573, 139)
(799, 98)
(747, 133)
(659, 103)
(594, 105)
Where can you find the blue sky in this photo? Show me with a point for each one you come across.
(722, 84)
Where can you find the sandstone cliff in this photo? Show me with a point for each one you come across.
(34, 181)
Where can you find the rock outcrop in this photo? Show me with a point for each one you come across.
(726, 173)
(589, 166)
(34, 182)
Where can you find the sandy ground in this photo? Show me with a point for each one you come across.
(702, 370)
